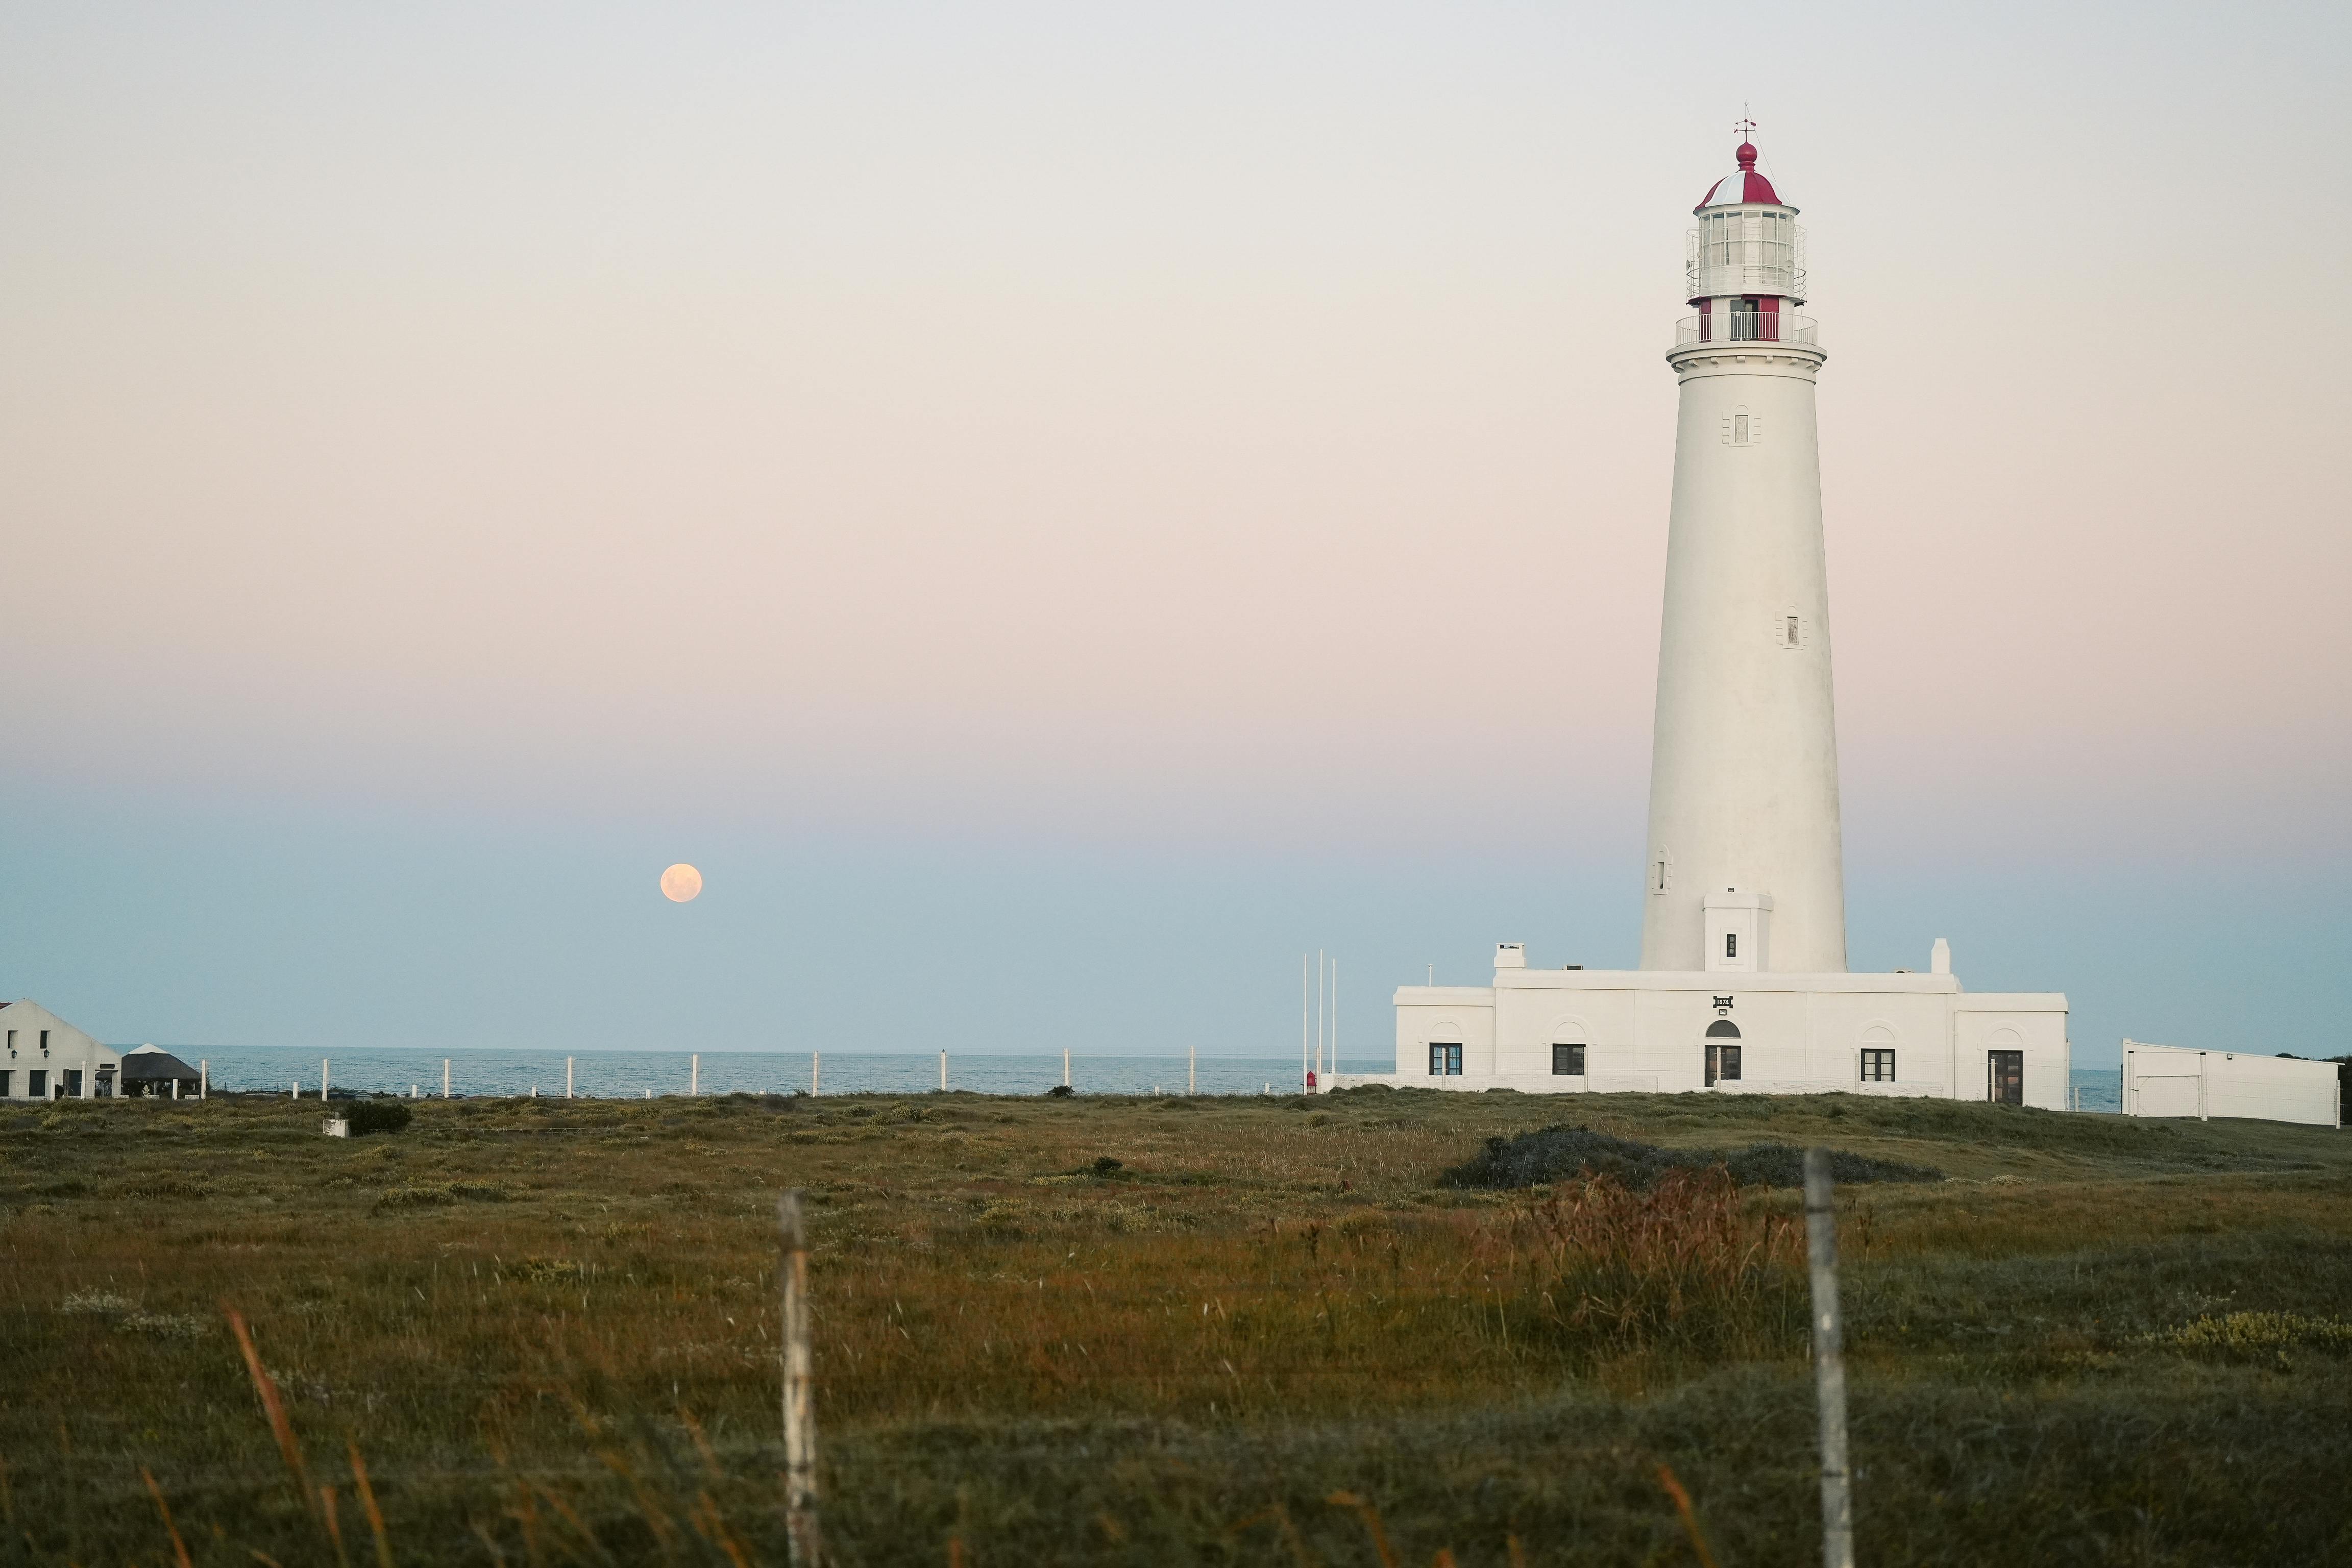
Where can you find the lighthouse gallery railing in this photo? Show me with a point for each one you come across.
(1777, 328)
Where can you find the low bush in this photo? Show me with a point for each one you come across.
(368, 1115)
(163, 1325)
(439, 1195)
(1558, 1152)
(2242, 1333)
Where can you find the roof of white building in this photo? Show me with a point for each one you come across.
(1742, 185)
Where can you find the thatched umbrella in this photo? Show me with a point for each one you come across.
(151, 1069)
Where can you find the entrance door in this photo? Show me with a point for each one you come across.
(2005, 1077)
(1722, 1051)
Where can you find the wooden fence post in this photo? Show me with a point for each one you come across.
(1829, 1362)
(800, 1406)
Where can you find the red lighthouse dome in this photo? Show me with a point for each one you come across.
(1743, 187)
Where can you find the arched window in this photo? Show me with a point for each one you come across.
(1722, 1052)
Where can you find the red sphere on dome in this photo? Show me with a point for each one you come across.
(1747, 156)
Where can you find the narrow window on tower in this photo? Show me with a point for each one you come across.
(1739, 429)
(1793, 635)
(1660, 872)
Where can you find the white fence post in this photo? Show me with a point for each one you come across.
(204, 1077)
(1829, 1362)
(816, 1066)
(444, 1078)
(799, 1405)
(943, 1072)
(694, 1076)
(567, 1078)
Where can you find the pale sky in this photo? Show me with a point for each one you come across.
(1055, 508)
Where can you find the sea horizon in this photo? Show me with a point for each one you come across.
(480, 1071)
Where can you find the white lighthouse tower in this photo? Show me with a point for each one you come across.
(1744, 869)
(1743, 986)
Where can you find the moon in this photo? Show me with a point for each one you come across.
(680, 883)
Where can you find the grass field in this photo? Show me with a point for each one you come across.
(1129, 1331)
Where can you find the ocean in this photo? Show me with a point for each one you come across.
(633, 1074)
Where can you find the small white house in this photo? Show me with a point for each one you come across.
(48, 1059)
(1731, 1030)
(2175, 1081)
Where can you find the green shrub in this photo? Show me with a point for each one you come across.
(2240, 1334)
(439, 1195)
(368, 1115)
(1558, 1153)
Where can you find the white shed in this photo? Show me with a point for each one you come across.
(2174, 1080)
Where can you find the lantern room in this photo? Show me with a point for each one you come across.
(1745, 259)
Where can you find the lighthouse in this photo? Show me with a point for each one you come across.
(1743, 986)
(1744, 870)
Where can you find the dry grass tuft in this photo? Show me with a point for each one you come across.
(1680, 1269)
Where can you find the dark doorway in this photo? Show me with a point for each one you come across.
(2005, 1077)
(1722, 1051)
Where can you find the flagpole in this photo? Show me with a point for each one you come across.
(1306, 1014)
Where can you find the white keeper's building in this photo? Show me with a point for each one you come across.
(1743, 985)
